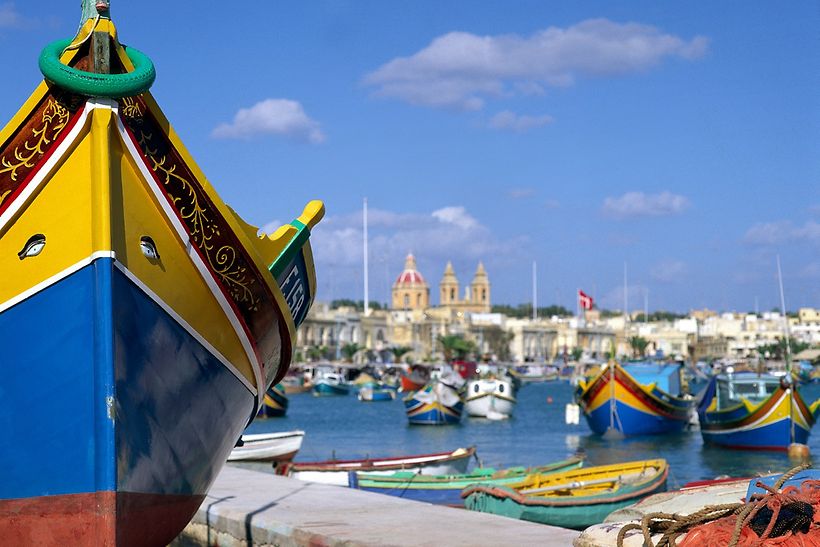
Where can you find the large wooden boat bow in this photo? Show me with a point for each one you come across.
(142, 319)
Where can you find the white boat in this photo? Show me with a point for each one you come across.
(336, 471)
(489, 398)
(268, 447)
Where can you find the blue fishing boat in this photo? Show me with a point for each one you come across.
(755, 411)
(642, 398)
(437, 403)
(133, 299)
(376, 393)
(330, 383)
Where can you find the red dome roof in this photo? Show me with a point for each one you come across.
(408, 277)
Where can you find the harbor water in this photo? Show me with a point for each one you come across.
(343, 427)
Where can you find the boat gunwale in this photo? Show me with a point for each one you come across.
(398, 462)
(502, 492)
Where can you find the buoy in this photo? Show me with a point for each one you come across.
(799, 451)
(549, 400)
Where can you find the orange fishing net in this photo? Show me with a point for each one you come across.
(786, 518)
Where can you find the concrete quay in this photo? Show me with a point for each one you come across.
(245, 508)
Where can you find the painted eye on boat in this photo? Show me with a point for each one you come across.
(33, 246)
(149, 248)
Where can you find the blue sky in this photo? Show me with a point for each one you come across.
(679, 138)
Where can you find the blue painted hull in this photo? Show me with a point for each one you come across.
(438, 497)
(146, 411)
(772, 436)
(632, 421)
(328, 389)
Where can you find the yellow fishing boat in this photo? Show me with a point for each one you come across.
(133, 300)
(573, 499)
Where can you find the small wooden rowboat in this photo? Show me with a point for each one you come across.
(446, 489)
(378, 393)
(575, 499)
(336, 471)
(268, 447)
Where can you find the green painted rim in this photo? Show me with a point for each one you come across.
(97, 85)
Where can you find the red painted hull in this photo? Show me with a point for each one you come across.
(96, 519)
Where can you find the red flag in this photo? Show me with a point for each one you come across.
(585, 300)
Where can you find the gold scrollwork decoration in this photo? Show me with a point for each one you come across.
(203, 231)
(54, 119)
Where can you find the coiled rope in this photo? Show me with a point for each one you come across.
(795, 506)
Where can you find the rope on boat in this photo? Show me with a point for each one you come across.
(97, 85)
(776, 514)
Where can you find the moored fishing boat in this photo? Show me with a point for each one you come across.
(635, 399)
(446, 489)
(330, 383)
(574, 499)
(486, 397)
(437, 403)
(377, 393)
(752, 411)
(268, 447)
(415, 379)
(275, 402)
(158, 324)
(336, 471)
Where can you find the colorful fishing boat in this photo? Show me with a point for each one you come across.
(574, 499)
(336, 471)
(437, 403)
(267, 447)
(379, 393)
(489, 398)
(635, 399)
(415, 379)
(446, 489)
(275, 403)
(152, 318)
(747, 410)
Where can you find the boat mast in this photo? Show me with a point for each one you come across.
(364, 243)
(787, 351)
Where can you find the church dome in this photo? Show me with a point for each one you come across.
(410, 275)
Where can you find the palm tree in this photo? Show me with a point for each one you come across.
(400, 351)
(455, 346)
(349, 350)
(638, 345)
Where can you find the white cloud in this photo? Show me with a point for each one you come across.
(270, 227)
(521, 192)
(638, 204)
(457, 216)
(272, 117)
(461, 70)
(447, 233)
(510, 121)
(669, 271)
(10, 17)
(784, 231)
